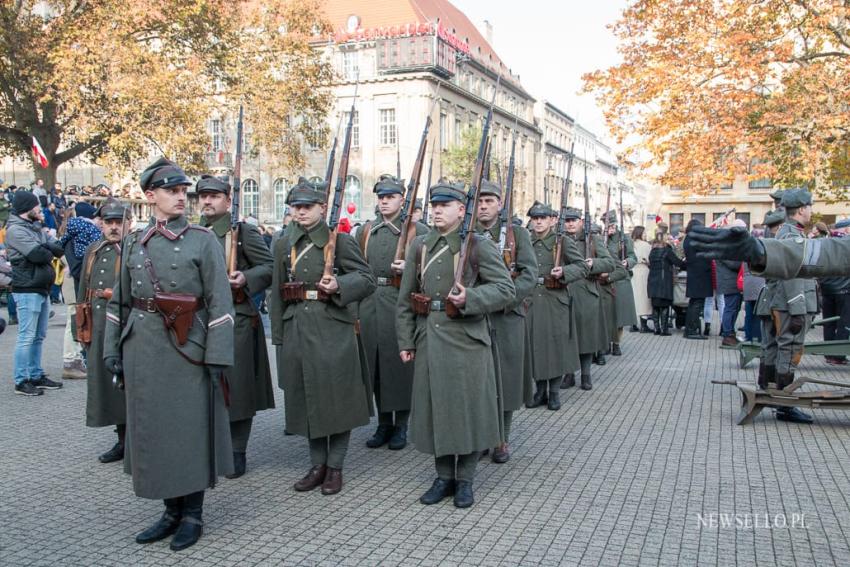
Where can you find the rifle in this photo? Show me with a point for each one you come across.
(425, 200)
(468, 224)
(605, 217)
(118, 377)
(408, 228)
(507, 213)
(329, 171)
(622, 224)
(588, 221)
(397, 157)
(562, 216)
(339, 192)
(238, 294)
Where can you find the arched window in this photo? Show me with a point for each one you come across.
(250, 202)
(280, 187)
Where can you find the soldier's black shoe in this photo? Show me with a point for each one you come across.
(586, 384)
(240, 463)
(696, 337)
(554, 402)
(707, 330)
(399, 438)
(381, 437)
(599, 359)
(783, 380)
(167, 524)
(569, 381)
(116, 453)
(440, 489)
(463, 494)
(191, 524)
(644, 328)
(539, 396)
(634, 329)
(615, 350)
(795, 415)
(501, 454)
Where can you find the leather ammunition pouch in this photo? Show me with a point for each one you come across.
(239, 295)
(420, 303)
(178, 313)
(550, 282)
(83, 313)
(293, 292)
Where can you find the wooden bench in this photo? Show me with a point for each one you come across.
(753, 400)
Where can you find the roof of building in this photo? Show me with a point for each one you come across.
(373, 15)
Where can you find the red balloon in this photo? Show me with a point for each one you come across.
(351, 208)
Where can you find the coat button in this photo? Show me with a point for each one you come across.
(99, 283)
(438, 277)
(173, 284)
(138, 283)
(173, 266)
(104, 260)
(141, 316)
(138, 266)
(177, 249)
(437, 326)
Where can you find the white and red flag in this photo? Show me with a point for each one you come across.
(38, 153)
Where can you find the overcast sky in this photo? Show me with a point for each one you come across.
(551, 45)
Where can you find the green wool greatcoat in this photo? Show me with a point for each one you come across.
(805, 258)
(250, 378)
(392, 381)
(552, 329)
(168, 396)
(321, 363)
(105, 403)
(509, 324)
(455, 394)
(621, 278)
(593, 334)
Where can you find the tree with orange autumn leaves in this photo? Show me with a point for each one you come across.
(711, 90)
(118, 80)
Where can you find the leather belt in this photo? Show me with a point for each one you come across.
(145, 304)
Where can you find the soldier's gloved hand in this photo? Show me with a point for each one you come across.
(796, 323)
(727, 244)
(216, 371)
(113, 364)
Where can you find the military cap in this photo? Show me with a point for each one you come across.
(113, 209)
(538, 209)
(595, 229)
(417, 206)
(307, 192)
(212, 184)
(843, 223)
(610, 217)
(777, 195)
(445, 191)
(573, 213)
(388, 185)
(774, 217)
(490, 188)
(796, 198)
(163, 173)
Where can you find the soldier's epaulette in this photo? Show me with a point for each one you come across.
(199, 227)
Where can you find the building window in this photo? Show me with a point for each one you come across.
(387, 124)
(314, 136)
(458, 128)
(444, 133)
(280, 188)
(765, 183)
(677, 222)
(698, 216)
(217, 135)
(355, 128)
(350, 65)
(744, 217)
(250, 198)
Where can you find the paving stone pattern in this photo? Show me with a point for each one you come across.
(627, 474)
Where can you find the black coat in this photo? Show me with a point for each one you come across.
(662, 268)
(699, 273)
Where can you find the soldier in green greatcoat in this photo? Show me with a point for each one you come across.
(551, 321)
(587, 297)
(321, 364)
(622, 249)
(105, 403)
(249, 273)
(509, 324)
(455, 412)
(392, 381)
(170, 330)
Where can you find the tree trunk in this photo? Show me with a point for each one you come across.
(48, 174)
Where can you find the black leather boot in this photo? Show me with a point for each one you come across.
(665, 323)
(240, 463)
(539, 395)
(599, 359)
(644, 328)
(381, 437)
(191, 524)
(569, 381)
(615, 350)
(770, 375)
(440, 489)
(463, 494)
(166, 525)
(586, 384)
(762, 376)
(783, 380)
(554, 403)
(399, 438)
(656, 321)
(707, 330)
(116, 453)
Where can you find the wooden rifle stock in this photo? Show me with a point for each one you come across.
(562, 214)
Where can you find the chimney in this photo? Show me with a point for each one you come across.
(488, 32)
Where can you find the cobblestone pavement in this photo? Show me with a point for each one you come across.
(640, 470)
